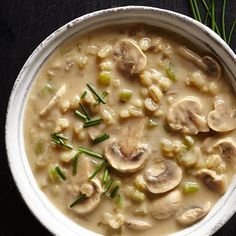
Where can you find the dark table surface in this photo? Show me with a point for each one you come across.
(23, 25)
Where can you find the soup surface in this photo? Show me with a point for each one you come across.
(130, 130)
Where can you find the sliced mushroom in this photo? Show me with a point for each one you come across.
(186, 116)
(208, 64)
(54, 100)
(129, 57)
(163, 176)
(138, 225)
(89, 204)
(126, 154)
(223, 118)
(166, 206)
(226, 148)
(216, 183)
(193, 214)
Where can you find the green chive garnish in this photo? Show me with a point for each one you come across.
(80, 115)
(74, 162)
(98, 168)
(84, 110)
(100, 138)
(60, 173)
(114, 191)
(59, 139)
(90, 153)
(107, 186)
(96, 94)
(81, 198)
(93, 122)
(105, 176)
(104, 94)
(84, 94)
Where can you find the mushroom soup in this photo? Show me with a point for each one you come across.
(131, 131)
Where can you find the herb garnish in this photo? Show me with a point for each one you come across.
(107, 186)
(96, 94)
(59, 139)
(98, 168)
(114, 191)
(100, 138)
(81, 198)
(95, 121)
(90, 153)
(60, 173)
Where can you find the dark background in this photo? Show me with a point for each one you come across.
(23, 25)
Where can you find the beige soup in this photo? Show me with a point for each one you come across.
(131, 131)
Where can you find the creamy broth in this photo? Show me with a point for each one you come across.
(170, 117)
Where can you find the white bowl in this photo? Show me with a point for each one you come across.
(38, 203)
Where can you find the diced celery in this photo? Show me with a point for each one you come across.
(53, 175)
(170, 72)
(47, 89)
(138, 196)
(125, 95)
(189, 141)
(39, 147)
(190, 187)
(104, 78)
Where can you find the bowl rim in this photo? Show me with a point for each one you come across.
(207, 31)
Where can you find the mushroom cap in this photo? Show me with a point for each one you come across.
(223, 118)
(138, 225)
(186, 116)
(213, 68)
(129, 57)
(216, 183)
(163, 176)
(126, 154)
(193, 214)
(91, 202)
(123, 163)
(166, 206)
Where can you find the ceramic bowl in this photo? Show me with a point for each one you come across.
(42, 208)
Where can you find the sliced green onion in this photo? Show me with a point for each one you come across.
(107, 186)
(170, 72)
(231, 32)
(84, 111)
(100, 138)
(105, 176)
(47, 89)
(98, 168)
(90, 153)
(114, 191)
(80, 115)
(96, 94)
(125, 95)
(93, 122)
(60, 173)
(81, 198)
(84, 94)
(190, 187)
(104, 78)
(53, 175)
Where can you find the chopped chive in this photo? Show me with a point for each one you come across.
(98, 168)
(223, 20)
(81, 198)
(101, 138)
(60, 173)
(90, 153)
(80, 115)
(96, 94)
(59, 139)
(197, 11)
(93, 122)
(74, 162)
(213, 15)
(84, 111)
(114, 191)
(104, 94)
(193, 10)
(107, 186)
(84, 94)
(105, 176)
(231, 32)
